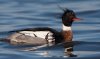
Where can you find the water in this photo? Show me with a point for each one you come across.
(19, 14)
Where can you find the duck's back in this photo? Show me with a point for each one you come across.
(35, 36)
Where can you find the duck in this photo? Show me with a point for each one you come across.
(45, 35)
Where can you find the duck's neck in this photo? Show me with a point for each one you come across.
(67, 33)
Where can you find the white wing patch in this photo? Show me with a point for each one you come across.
(41, 34)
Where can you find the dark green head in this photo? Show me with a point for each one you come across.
(68, 17)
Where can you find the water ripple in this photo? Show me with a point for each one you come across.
(20, 14)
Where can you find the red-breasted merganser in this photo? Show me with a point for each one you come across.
(40, 36)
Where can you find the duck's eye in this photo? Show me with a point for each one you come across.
(72, 14)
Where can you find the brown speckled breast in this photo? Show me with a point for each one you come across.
(67, 36)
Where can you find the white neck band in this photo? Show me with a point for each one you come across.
(66, 28)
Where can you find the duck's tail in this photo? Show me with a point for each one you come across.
(4, 40)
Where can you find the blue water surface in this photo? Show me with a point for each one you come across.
(20, 14)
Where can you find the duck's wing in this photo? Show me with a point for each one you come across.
(21, 39)
(31, 36)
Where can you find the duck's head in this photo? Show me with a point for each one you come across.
(68, 17)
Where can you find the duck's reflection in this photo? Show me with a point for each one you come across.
(68, 49)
